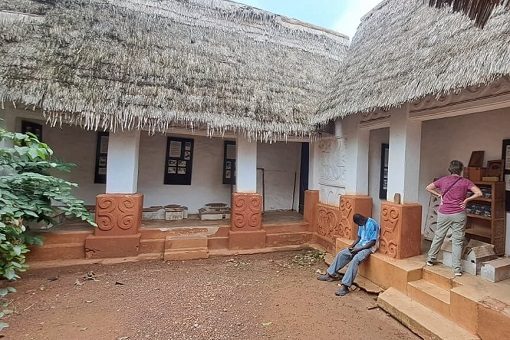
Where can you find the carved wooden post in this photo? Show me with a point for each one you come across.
(118, 218)
(246, 223)
(400, 230)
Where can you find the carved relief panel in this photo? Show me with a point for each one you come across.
(390, 227)
(118, 214)
(246, 212)
(331, 170)
(328, 222)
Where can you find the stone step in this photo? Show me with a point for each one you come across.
(420, 319)
(186, 241)
(496, 270)
(430, 295)
(286, 239)
(61, 251)
(60, 237)
(183, 254)
(439, 275)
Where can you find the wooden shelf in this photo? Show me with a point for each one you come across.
(486, 228)
(483, 232)
(480, 217)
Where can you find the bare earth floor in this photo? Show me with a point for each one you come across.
(267, 296)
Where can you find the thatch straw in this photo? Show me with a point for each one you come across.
(405, 50)
(477, 10)
(153, 64)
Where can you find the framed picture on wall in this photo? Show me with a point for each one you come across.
(33, 128)
(179, 161)
(383, 185)
(101, 157)
(229, 162)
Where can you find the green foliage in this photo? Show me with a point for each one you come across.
(28, 192)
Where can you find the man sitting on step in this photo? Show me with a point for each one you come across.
(359, 251)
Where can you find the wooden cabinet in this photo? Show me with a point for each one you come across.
(486, 216)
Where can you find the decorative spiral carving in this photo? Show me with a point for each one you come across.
(118, 213)
(389, 231)
(247, 211)
(346, 210)
(328, 222)
(105, 222)
(388, 247)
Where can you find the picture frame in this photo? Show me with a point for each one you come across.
(229, 162)
(179, 161)
(101, 164)
(383, 180)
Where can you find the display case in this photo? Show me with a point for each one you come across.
(486, 216)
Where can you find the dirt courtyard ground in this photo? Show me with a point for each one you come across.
(267, 296)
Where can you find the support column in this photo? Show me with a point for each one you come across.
(246, 225)
(357, 147)
(404, 157)
(119, 211)
(400, 235)
(313, 167)
(122, 170)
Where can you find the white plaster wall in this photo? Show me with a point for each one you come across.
(455, 138)
(207, 177)
(377, 137)
(281, 164)
(71, 145)
(356, 154)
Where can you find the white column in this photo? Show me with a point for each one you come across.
(357, 146)
(122, 166)
(404, 157)
(313, 167)
(246, 165)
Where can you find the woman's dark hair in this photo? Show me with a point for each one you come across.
(456, 167)
(359, 219)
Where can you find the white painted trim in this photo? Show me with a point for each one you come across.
(463, 108)
(375, 124)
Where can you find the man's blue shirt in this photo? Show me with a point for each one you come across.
(368, 232)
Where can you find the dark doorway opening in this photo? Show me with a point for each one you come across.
(303, 178)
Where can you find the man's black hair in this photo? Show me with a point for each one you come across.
(359, 219)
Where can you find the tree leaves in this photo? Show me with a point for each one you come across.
(28, 193)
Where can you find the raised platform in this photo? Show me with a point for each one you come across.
(178, 240)
(434, 303)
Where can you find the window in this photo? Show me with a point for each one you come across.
(179, 161)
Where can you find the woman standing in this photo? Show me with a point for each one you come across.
(453, 192)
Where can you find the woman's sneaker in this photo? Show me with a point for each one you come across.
(458, 274)
(430, 263)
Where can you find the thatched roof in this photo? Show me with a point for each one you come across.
(152, 64)
(477, 10)
(405, 50)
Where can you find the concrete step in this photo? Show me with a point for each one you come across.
(186, 241)
(183, 254)
(496, 270)
(186, 247)
(430, 295)
(439, 275)
(60, 237)
(61, 251)
(286, 239)
(419, 319)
